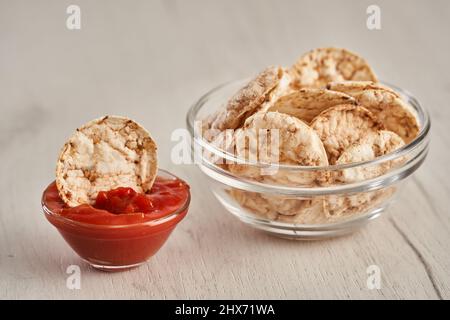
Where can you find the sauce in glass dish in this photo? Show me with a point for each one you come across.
(123, 206)
(122, 228)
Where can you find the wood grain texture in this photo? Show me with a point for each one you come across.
(151, 60)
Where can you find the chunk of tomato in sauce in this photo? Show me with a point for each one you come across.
(123, 200)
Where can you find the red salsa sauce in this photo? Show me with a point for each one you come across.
(123, 206)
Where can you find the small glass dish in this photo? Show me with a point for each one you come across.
(115, 247)
(297, 211)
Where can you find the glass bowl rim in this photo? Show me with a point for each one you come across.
(154, 222)
(404, 150)
(368, 185)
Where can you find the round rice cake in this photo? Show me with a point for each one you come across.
(368, 148)
(311, 212)
(342, 126)
(356, 87)
(320, 66)
(339, 207)
(271, 82)
(281, 208)
(297, 144)
(392, 111)
(105, 154)
(307, 103)
(253, 202)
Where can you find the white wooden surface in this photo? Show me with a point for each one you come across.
(150, 60)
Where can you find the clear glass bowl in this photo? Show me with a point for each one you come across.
(115, 247)
(287, 206)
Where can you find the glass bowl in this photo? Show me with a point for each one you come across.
(115, 247)
(288, 206)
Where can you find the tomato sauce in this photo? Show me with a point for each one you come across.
(123, 206)
(122, 228)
